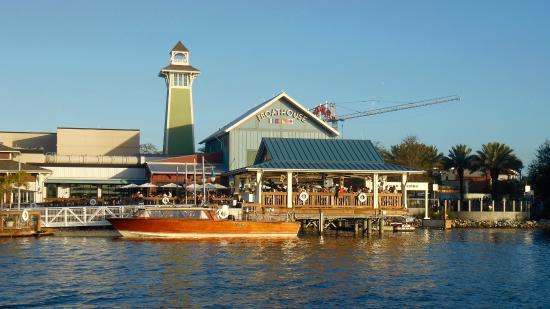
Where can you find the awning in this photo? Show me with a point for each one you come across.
(94, 181)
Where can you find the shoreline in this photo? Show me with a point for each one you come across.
(499, 224)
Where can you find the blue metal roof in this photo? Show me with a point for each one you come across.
(322, 154)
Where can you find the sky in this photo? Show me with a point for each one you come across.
(96, 64)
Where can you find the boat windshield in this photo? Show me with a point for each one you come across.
(172, 213)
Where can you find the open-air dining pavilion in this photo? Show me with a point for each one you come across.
(306, 175)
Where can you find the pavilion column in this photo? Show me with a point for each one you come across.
(426, 205)
(289, 189)
(404, 191)
(375, 191)
(259, 187)
(236, 184)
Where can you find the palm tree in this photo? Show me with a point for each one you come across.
(11, 181)
(460, 158)
(496, 158)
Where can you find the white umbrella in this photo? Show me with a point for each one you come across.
(219, 187)
(191, 187)
(130, 186)
(147, 185)
(171, 185)
(209, 186)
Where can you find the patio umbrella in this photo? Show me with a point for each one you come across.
(171, 185)
(129, 186)
(147, 185)
(191, 187)
(219, 187)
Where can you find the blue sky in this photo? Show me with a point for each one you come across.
(95, 64)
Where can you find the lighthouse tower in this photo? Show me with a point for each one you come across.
(178, 126)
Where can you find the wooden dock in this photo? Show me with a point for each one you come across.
(363, 219)
(17, 223)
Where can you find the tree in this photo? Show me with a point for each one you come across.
(496, 158)
(460, 158)
(411, 153)
(539, 173)
(11, 181)
(148, 148)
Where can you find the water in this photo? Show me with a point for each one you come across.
(459, 268)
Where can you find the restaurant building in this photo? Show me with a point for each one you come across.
(278, 150)
(78, 162)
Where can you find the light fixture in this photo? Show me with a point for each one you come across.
(212, 176)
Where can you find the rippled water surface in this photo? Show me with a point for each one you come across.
(460, 268)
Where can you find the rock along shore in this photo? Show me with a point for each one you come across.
(514, 224)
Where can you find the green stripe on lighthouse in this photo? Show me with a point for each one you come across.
(180, 139)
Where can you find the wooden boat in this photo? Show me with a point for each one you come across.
(198, 223)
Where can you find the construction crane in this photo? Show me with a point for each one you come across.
(327, 111)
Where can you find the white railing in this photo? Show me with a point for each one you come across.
(83, 216)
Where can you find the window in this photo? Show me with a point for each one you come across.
(179, 58)
(83, 190)
(51, 190)
(111, 191)
(180, 79)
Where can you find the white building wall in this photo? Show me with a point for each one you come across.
(96, 173)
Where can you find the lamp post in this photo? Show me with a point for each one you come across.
(204, 197)
(19, 183)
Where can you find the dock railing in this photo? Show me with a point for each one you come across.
(330, 199)
(83, 216)
(487, 205)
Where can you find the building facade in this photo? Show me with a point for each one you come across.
(280, 116)
(76, 162)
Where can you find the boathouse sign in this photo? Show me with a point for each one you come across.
(281, 116)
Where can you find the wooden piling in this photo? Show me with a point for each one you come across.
(369, 226)
(355, 227)
(381, 225)
(321, 222)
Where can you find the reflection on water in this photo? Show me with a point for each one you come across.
(480, 268)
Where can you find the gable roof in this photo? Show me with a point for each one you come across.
(322, 155)
(180, 47)
(251, 112)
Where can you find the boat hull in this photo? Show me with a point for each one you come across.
(195, 228)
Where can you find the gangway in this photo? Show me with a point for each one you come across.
(82, 216)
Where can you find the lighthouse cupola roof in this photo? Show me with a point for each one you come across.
(180, 47)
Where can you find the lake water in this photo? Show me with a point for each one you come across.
(459, 268)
